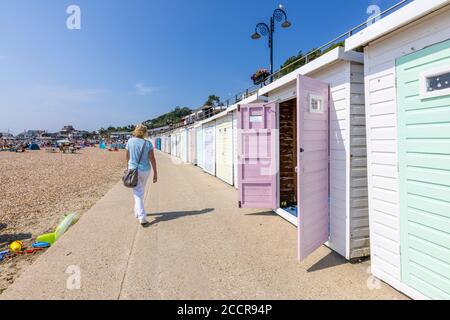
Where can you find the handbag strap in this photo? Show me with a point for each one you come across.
(142, 151)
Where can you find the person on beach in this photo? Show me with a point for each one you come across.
(134, 149)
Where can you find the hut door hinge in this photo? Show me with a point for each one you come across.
(240, 204)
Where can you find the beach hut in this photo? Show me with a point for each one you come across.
(407, 85)
(184, 144)
(167, 143)
(217, 135)
(179, 143)
(209, 147)
(188, 145)
(172, 143)
(192, 153)
(199, 144)
(303, 154)
(163, 143)
(235, 148)
(176, 143)
(218, 154)
(224, 147)
(158, 143)
(151, 140)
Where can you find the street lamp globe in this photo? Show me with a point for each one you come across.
(256, 36)
(286, 24)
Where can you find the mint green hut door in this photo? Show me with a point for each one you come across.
(423, 102)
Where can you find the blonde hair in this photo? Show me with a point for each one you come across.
(140, 131)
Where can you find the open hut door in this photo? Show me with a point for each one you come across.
(257, 172)
(313, 180)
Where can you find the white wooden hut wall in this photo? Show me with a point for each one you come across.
(382, 138)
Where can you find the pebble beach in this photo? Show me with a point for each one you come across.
(38, 188)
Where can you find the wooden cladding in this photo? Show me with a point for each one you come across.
(288, 152)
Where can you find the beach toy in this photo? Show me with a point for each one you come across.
(48, 237)
(3, 254)
(34, 250)
(51, 238)
(41, 245)
(16, 246)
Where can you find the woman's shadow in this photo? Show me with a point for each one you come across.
(167, 216)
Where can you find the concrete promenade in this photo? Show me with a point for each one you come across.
(198, 245)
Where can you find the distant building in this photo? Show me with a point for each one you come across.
(71, 133)
(190, 118)
(206, 112)
(120, 135)
(153, 132)
(49, 136)
(66, 130)
(31, 134)
(6, 135)
(78, 134)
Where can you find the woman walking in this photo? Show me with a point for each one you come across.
(140, 156)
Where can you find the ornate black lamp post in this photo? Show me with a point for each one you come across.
(262, 29)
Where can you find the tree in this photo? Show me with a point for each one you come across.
(102, 131)
(213, 101)
(291, 64)
(299, 60)
(171, 117)
(339, 44)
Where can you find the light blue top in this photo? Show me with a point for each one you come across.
(134, 146)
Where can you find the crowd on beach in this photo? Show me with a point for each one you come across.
(15, 145)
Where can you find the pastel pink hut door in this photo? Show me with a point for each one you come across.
(312, 122)
(256, 156)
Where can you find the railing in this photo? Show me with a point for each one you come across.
(206, 114)
(302, 61)
(307, 58)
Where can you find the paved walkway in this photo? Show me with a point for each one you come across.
(198, 246)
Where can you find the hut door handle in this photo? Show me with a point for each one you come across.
(302, 150)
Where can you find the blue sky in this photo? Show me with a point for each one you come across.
(133, 60)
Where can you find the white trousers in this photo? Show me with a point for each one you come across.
(139, 193)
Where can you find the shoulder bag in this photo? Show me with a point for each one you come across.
(130, 176)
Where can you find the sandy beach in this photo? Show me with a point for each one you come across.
(38, 188)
